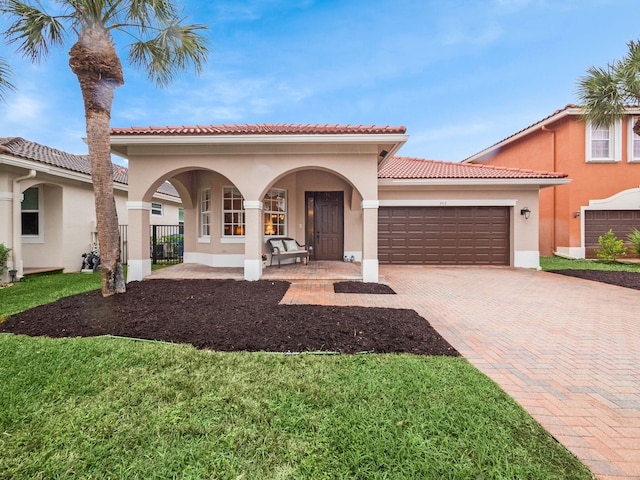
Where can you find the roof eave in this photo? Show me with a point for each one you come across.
(541, 182)
(396, 139)
(523, 133)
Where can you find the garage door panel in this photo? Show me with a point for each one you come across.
(444, 235)
(598, 222)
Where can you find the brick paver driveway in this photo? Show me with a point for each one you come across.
(568, 350)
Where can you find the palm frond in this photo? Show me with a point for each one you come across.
(173, 49)
(606, 93)
(5, 83)
(32, 29)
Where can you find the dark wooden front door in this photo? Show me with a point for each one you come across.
(325, 224)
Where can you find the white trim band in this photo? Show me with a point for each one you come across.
(370, 204)
(449, 203)
(139, 206)
(252, 205)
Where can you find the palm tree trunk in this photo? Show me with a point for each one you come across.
(95, 63)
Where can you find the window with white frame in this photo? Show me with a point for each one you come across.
(275, 212)
(31, 212)
(604, 143)
(232, 212)
(156, 209)
(205, 212)
(634, 141)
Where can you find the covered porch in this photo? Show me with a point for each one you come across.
(314, 270)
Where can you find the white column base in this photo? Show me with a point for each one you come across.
(527, 259)
(252, 270)
(570, 252)
(370, 270)
(138, 269)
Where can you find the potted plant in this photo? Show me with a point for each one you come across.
(264, 259)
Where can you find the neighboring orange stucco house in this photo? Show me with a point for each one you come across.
(603, 164)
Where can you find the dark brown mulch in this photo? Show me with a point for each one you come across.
(363, 287)
(228, 315)
(621, 279)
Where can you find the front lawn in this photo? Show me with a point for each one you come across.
(560, 263)
(118, 408)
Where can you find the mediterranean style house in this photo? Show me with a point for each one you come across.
(47, 210)
(604, 166)
(338, 189)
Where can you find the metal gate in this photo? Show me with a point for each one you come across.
(166, 243)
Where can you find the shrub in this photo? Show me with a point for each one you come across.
(4, 256)
(634, 238)
(611, 247)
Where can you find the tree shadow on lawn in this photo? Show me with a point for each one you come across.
(230, 315)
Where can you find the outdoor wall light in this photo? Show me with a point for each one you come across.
(525, 212)
(576, 214)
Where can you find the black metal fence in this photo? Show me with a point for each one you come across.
(166, 243)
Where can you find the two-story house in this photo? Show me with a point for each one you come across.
(603, 164)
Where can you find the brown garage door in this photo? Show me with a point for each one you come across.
(444, 235)
(598, 222)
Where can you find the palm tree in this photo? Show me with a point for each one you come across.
(5, 75)
(606, 92)
(161, 45)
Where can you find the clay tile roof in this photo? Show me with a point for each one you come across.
(19, 147)
(416, 168)
(22, 148)
(260, 129)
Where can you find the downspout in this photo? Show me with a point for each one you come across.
(17, 224)
(554, 245)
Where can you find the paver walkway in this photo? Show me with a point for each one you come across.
(568, 350)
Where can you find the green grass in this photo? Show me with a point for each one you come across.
(117, 408)
(560, 263)
(43, 288)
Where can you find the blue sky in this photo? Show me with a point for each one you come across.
(460, 75)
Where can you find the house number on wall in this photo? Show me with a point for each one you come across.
(443, 204)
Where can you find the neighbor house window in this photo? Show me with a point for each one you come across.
(604, 142)
(275, 212)
(31, 214)
(232, 212)
(634, 141)
(156, 209)
(181, 216)
(205, 212)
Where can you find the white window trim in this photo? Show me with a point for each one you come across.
(277, 212)
(224, 238)
(40, 237)
(615, 144)
(156, 207)
(201, 237)
(630, 135)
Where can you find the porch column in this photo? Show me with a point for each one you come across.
(370, 240)
(252, 240)
(139, 262)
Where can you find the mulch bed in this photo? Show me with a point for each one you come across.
(229, 315)
(621, 279)
(363, 287)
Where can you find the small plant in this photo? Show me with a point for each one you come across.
(264, 257)
(4, 256)
(611, 247)
(634, 238)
